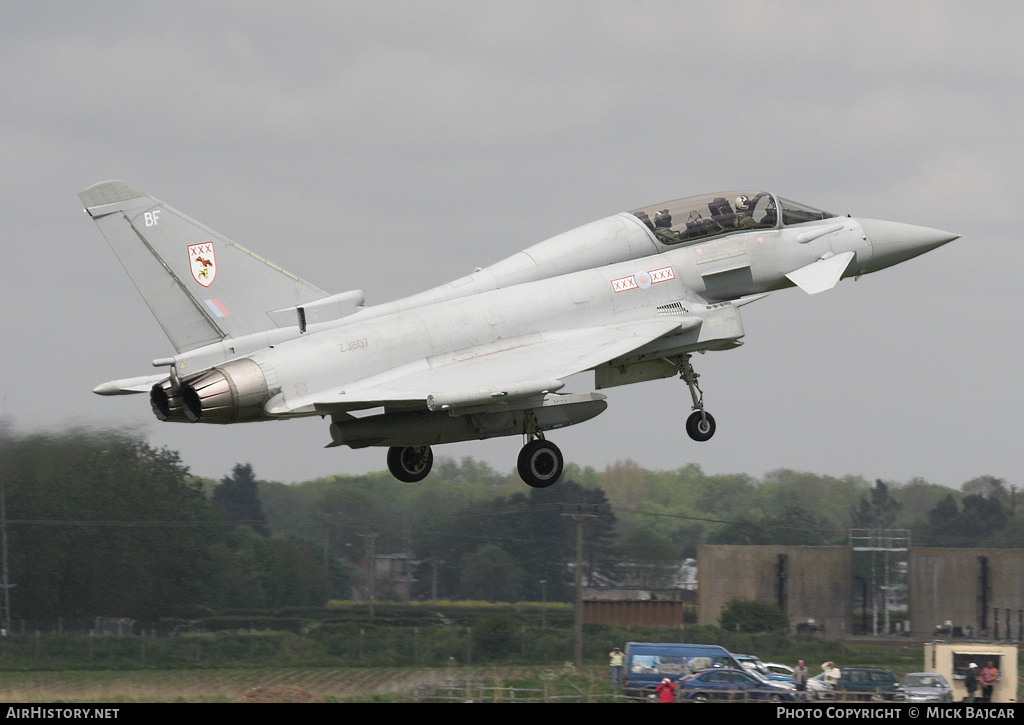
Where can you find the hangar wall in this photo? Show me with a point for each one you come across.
(979, 591)
(811, 583)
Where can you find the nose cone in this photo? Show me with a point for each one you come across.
(892, 242)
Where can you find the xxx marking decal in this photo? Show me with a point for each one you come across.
(643, 280)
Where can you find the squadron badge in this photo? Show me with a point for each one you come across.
(202, 262)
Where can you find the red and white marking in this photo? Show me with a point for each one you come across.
(643, 280)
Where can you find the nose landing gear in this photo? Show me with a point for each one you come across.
(700, 426)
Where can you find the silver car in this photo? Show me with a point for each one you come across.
(818, 689)
(926, 687)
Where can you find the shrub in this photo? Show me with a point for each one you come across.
(753, 615)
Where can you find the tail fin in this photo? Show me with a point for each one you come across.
(200, 286)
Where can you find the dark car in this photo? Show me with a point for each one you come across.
(868, 683)
(724, 683)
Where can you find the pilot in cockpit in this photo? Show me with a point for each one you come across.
(663, 227)
(742, 207)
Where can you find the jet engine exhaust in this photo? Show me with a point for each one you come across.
(231, 393)
(166, 402)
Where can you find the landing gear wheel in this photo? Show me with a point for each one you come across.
(410, 463)
(700, 425)
(540, 463)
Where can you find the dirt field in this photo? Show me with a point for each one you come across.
(263, 685)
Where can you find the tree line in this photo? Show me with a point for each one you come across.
(100, 523)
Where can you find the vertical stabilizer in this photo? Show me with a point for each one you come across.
(201, 286)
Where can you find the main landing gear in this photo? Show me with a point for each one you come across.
(700, 426)
(540, 462)
(410, 464)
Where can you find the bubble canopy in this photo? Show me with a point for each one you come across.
(698, 217)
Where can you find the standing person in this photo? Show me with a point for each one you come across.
(615, 661)
(832, 674)
(800, 676)
(989, 675)
(666, 691)
(971, 682)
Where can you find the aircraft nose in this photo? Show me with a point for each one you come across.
(893, 242)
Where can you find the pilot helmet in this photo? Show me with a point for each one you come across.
(663, 219)
(742, 202)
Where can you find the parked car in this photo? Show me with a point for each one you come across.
(726, 683)
(857, 683)
(818, 689)
(780, 669)
(926, 687)
(754, 664)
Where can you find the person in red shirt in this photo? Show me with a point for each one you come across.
(666, 691)
(989, 675)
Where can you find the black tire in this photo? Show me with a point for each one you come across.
(410, 464)
(700, 427)
(540, 463)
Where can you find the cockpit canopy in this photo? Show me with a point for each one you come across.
(698, 217)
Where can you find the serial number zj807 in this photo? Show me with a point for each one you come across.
(352, 345)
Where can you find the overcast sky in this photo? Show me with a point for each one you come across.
(393, 146)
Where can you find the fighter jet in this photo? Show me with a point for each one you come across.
(630, 297)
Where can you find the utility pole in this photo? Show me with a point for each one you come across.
(371, 566)
(543, 603)
(5, 615)
(578, 514)
(327, 549)
(434, 561)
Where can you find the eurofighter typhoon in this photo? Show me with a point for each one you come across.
(631, 297)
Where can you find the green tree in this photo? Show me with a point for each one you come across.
(878, 510)
(101, 524)
(490, 574)
(991, 487)
(793, 526)
(238, 496)
(246, 572)
(979, 519)
(536, 529)
(494, 635)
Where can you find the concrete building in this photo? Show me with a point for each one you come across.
(950, 593)
(813, 584)
(969, 592)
